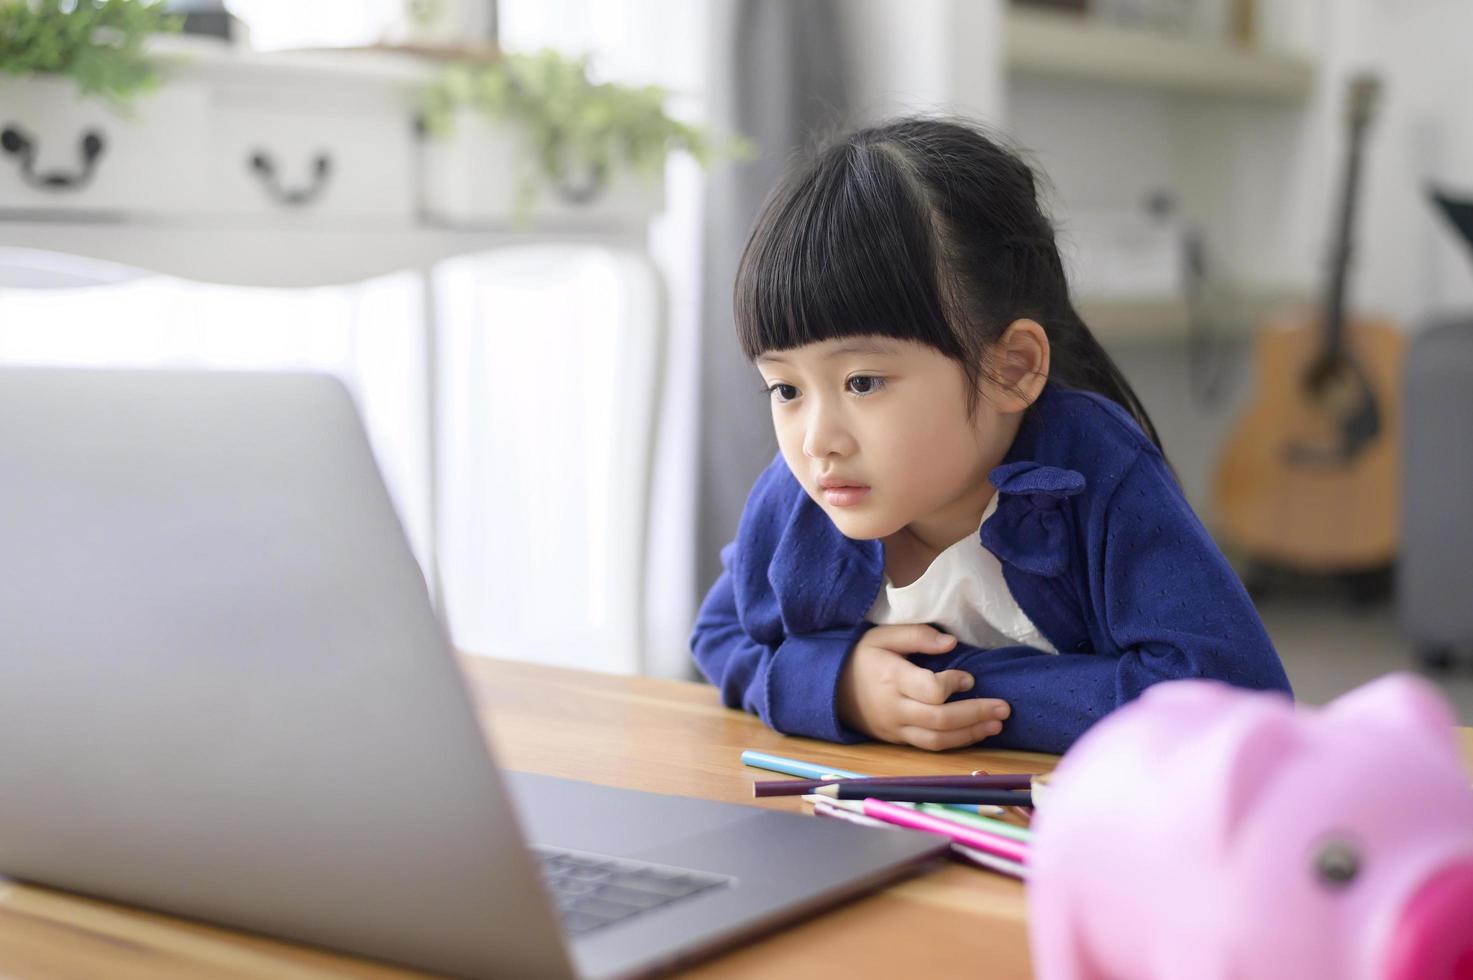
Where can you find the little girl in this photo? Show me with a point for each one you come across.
(970, 531)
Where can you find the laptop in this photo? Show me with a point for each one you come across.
(224, 694)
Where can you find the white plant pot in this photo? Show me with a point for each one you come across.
(474, 175)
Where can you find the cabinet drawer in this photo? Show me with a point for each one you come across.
(306, 163)
(63, 153)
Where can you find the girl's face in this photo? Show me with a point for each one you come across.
(877, 432)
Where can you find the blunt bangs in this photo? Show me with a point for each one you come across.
(843, 247)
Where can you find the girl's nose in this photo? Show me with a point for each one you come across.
(826, 434)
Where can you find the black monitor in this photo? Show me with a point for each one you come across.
(1459, 212)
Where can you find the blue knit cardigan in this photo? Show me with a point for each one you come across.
(1098, 547)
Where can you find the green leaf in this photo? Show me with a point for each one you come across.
(96, 43)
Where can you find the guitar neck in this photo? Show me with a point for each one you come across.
(1340, 256)
(1363, 93)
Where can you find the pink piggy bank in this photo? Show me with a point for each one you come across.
(1204, 832)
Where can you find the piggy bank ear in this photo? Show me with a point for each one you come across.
(1265, 743)
(1401, 701)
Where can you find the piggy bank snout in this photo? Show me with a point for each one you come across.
(1433, 939)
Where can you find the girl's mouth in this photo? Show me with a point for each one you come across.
(845, 496)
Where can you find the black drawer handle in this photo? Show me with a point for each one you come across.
(582, 191)
(16, 143)
(264, 167)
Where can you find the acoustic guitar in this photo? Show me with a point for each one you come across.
(1309, 480)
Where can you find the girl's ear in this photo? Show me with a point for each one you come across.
(1018, 365)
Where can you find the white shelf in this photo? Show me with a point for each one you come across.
(1156, 318)
(1134, 319)
(1080, 48)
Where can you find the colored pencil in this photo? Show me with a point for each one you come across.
(823, 810)
(1000, 827)
(938, 810)
(853, 806)
(990, 861)
(812, 770)
(794, 767)
(1002, 847)
(824, 807)
(845, 790)
(797, 787)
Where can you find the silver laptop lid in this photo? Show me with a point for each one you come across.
(223, 691)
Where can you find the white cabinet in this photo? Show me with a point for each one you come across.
(291, 139)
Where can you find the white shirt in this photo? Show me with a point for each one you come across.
(964, 593)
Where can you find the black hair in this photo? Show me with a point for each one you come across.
(924, 229)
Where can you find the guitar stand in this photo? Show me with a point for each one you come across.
(1437, 659)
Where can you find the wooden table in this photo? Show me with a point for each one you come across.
(659, 735)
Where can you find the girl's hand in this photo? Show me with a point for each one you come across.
(887, 697)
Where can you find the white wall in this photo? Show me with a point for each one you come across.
(1264, 180)
(1284, 168)
(1412, 263)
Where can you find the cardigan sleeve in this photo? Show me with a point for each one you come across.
(1168, 602)
(791, 684)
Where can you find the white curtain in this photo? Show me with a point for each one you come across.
(665, 42)
(548, 383)
(64, 310)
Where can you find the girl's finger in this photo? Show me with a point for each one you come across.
(930, 686)
(911, 638)
(981, 712)
(934, 741)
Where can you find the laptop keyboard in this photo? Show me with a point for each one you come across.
(592, 891)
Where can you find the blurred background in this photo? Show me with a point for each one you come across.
(512, 226)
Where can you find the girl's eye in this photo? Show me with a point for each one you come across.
(865, 384)
(783, 393)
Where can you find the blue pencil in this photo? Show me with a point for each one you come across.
(793, 767)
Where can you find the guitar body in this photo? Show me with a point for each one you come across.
(1283, 496)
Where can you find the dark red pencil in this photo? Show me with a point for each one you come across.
(797, 787)
(846, 790)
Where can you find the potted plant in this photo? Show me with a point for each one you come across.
(97, 44)
(525, 125)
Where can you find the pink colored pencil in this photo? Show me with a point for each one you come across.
(901, 816)
(969, 854)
